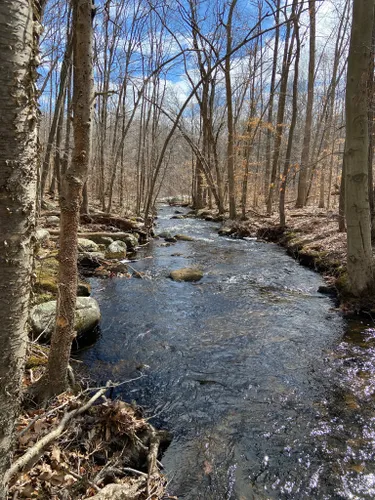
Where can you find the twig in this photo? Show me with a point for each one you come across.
(39, 447)
(152, 458)
(80, 478)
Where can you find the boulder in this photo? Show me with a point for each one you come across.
(116, 250)
(42, 317)
(53, 220)
(106, 240)
(183, 237)
(86, 245)
(186, 274)
(42, 236)
(131, 240)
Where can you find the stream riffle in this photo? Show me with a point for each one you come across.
(267, 390)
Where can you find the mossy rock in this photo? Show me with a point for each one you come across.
(186, 274)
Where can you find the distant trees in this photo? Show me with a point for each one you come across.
(19, 29)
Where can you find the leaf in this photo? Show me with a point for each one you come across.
(56, 454)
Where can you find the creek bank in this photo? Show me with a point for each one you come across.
(105, 445)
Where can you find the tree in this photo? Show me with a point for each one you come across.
(18, 150)
(55, 379)
(302, 181)
(360, 262)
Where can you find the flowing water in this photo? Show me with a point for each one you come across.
(268, 392)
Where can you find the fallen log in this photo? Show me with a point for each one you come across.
(110, 220)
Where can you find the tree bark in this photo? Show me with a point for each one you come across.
(55, 379)
(302, 180)
(18, 155)
(360, 263)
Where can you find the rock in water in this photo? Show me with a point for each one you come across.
(42, 317)
(86, 245)
(116, 250)
(186, 274)
(183, 237)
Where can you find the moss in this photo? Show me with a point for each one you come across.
(40, 298)
(34, 361)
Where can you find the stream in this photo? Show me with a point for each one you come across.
(268, 391)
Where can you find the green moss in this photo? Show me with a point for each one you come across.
(34, 361)
(40, 298)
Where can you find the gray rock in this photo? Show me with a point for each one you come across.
(86, 245)
(42, 317)
(186, 274)
(116, 250)
(42, 236)
(106, 240)
(131, 240)
(183, 237)
(53, 220)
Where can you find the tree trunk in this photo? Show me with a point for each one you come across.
(18, 155)
(230, 122)
(302, 181)
(55, 379)
(360, 264)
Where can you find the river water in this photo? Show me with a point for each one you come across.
(268, 391)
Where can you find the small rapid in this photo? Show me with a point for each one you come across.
(267, 390)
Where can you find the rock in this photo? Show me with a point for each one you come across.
(86, 245)
(116, 250)
(90, 260)
(42, 236)
(83, 289)
(171, 239)
(186, 274)
(178, 212)
(53, 220)
(131, 240)
(183, 237)
(178, 217)
(210, 218)
(42, 317)
(328, 290)
(106, 240)
(165, 234)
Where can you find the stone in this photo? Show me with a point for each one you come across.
(131, 240)
(183, 237)
(42, 317)
(53, 220)
(83, 289)
(42, 236)
(86, 245)
(186, 274)
(116, 250)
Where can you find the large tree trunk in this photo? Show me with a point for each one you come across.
(360, 263)
(55, 379)
(18, 150)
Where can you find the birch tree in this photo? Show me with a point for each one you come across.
(18, 150)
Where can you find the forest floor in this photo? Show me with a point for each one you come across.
(94, 447)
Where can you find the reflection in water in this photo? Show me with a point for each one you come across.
(247, 368)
